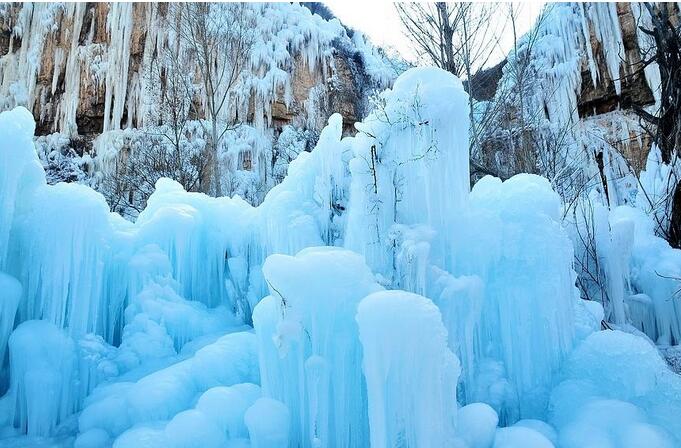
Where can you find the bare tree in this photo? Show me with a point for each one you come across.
(176, 94)
(460, 38)
(220, 38)
(165, 146)
(457, 37)
(146, 157)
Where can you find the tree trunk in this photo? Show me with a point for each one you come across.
(217, 179)
(675, 221)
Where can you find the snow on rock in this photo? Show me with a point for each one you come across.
(410, 372)
(310, 354)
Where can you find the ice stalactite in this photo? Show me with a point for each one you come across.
(653, 269)
(18, 164)
(340, 361)
(68, 107)
(119, 26)
(410, 372)
(614, 241)
(20, 68)
(288, 38)
(184, 226)
(646, 44)
(460, 300)
(312, 196)
(62, 264)
(56, 252)
(608, 32)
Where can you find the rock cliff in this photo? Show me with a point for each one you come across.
(81, 68)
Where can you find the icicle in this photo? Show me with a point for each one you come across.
(119, 27)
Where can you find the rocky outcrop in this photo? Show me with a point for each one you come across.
(603, 97)
(566, 102)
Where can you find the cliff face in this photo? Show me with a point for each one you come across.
(96, 77)
(564, 105)
(82, 68)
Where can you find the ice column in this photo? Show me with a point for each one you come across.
(410, 372)
(310, 354)
(43, 363)
(409, 176)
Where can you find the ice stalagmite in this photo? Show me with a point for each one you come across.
(526, 321)
(410, 372)
(310, 354)
(18, 167)
(410, 176)
(42, 388)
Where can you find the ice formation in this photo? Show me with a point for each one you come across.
(524, 260)
(614, 216)
(309, 343)
(620, 380)
(409, 173)
(410, 372)
(43, 367)
(372, 299)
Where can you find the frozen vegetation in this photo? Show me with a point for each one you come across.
(373, 298)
